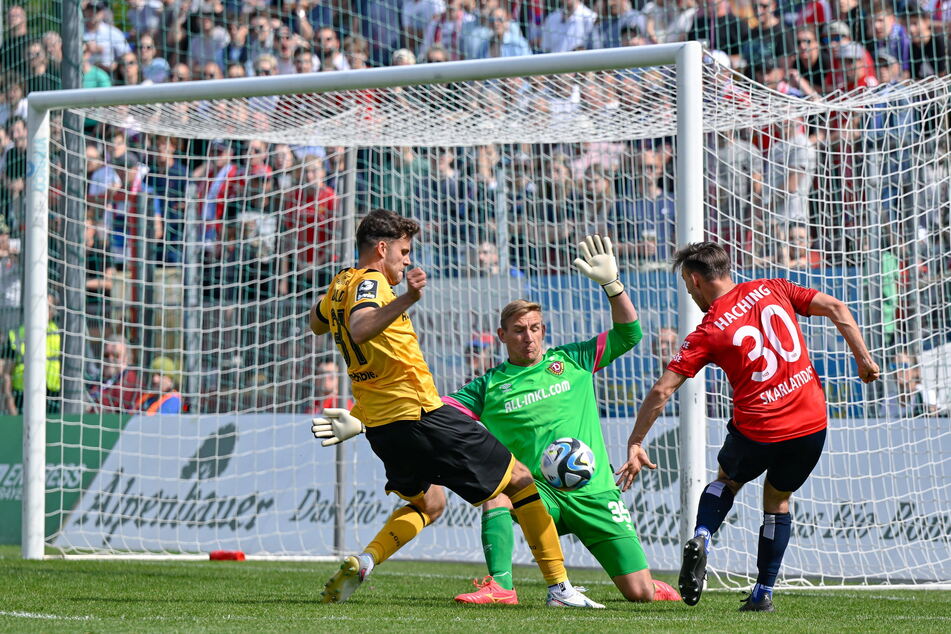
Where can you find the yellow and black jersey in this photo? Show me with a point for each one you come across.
(390, 378)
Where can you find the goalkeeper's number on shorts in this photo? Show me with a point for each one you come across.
(336, 425)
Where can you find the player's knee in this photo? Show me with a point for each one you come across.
(432, 504)
(436, 511)
(774, 500)
(521, 477)
(732, 485)
(640, 595)
(638, 590)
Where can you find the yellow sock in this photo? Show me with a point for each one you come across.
(540, 533)
(403, 525)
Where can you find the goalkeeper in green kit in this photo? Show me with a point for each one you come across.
(535, 397)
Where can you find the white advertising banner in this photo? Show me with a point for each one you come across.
(262, 484)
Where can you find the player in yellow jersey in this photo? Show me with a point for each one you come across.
(423, 444)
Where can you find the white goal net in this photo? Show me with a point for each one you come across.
(187, 242)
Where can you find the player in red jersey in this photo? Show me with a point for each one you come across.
(779, 408)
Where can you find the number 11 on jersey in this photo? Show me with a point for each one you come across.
(344, 339)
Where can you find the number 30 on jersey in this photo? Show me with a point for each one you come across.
(759, 346)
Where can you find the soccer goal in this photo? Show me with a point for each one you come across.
(177, 236)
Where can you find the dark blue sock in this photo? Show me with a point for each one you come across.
(759, 591)
(715, 502)
(773, 539)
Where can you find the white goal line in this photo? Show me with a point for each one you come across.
(335, 558)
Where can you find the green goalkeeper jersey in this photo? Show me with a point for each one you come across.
(527, 408)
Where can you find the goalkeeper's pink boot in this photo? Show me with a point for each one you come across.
(488, 592)
(665, 592)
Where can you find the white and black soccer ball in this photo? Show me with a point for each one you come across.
(568, 464)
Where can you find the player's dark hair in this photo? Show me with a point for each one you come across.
(382, 224)
(706, 258)
(913, 11)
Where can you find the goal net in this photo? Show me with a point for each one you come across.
(188, 240)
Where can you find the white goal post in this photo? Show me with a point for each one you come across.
(686, 57)
(177, 234)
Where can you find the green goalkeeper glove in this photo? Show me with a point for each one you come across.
(597, 261)
(336, 425)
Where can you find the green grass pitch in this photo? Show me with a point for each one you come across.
(123, 596)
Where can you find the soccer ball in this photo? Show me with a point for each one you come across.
(568, 464)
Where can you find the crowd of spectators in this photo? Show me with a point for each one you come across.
(260, 201)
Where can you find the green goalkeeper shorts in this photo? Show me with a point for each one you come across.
(603, 524)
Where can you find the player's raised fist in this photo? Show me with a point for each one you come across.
(869, 371)
(416, 281)
(597, 262)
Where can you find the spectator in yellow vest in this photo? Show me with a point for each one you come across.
(13, 365)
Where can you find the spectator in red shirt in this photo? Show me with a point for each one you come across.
(219, 185)
(119, 388)
(838, 37)
(849, 12)
(327, 388)
(309, 220)
(857, 72)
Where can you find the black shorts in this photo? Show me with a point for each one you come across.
(787, 463)
(445, 447)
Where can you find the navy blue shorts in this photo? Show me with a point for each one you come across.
(787, 463)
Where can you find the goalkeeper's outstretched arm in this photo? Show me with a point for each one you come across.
(622, 309)
(596, 261)
(625, 332)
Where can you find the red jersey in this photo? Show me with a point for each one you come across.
(752, 333)
(320, 404)
(815, 12)
(311, 216)
(120, 394)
